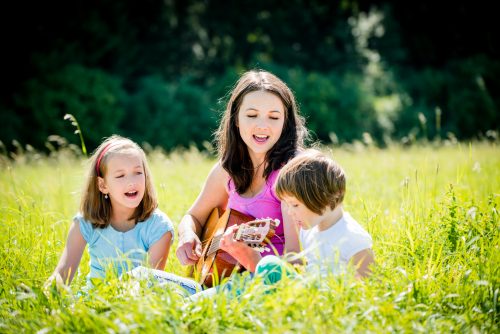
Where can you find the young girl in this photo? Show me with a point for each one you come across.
(260, 131)
(119, 219)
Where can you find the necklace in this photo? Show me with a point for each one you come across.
(255, 168)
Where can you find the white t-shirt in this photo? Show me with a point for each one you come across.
(331, 250)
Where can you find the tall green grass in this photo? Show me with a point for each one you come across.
(432, 213)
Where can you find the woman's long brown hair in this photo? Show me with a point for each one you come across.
(233, 151)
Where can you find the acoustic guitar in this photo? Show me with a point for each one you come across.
(214, 263)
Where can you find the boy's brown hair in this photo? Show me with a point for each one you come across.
(313, 179)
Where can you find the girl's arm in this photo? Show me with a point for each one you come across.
(71, 256)
(158, 252)
(213, 195)
(362, 261)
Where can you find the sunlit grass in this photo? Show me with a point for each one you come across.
(432, 213)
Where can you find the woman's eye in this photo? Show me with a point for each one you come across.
(251, 116)
(119, 176)
(274, 118)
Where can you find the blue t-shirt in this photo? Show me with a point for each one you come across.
(122, 251)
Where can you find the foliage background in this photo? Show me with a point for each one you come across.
(158, 71)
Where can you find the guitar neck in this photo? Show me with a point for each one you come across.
(252, 233)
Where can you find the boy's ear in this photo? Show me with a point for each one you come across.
(102, 185)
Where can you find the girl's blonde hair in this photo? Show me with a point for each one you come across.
(97, 209)
(314, 179)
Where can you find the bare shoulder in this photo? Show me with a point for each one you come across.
(218, 175)
(214, 194)
(218, 170)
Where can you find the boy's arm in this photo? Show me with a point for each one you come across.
(292, 243)
(71, 256)
(362, 261)
(158, 252)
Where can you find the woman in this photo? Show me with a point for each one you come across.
(260, 131)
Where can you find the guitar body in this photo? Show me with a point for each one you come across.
(215, 264)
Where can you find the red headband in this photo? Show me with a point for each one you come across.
(98, 163)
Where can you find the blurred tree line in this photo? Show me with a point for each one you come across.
(159, 71)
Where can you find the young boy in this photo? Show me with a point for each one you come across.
(313, 187)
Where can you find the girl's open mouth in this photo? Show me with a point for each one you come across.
(260, 138)
(131, 194)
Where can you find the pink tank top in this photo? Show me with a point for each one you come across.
(263, 205)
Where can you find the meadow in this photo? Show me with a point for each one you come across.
(432, 211)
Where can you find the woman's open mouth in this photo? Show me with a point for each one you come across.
(260, 138)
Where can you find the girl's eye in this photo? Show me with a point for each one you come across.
(274, 118)
(138, 173)
(251, 116)
(119, 176)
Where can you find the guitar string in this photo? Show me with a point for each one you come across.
(214, 246)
